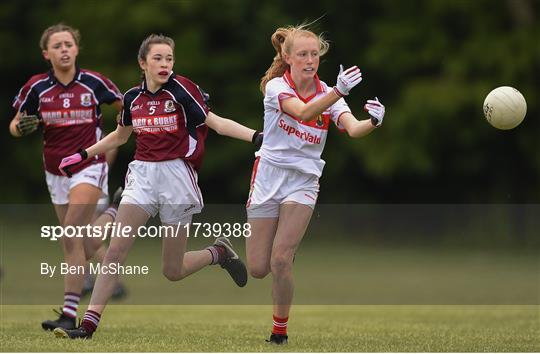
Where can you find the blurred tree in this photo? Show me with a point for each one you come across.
(431, 62)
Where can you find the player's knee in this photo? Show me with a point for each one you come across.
(257, 267)
(281, 264)
(258, 271)
(172, 273)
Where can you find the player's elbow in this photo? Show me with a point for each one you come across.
(13, 130)
(355, 133)
(359, 130)
(216, 123)
(305, 115)
(121, 140)
(14, 134)
(352, 130)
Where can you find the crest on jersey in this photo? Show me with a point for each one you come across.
(86, 99)
(320, 122)
(169, 106)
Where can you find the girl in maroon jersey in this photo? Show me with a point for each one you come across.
(66, 102)
(170, 119)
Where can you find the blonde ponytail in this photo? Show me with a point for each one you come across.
(282, 41)
(279, 66)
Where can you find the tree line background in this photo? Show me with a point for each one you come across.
(431, 62)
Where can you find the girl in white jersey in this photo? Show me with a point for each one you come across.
(298, 109)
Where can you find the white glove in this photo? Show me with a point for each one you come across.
(376, 111)
(347, 79)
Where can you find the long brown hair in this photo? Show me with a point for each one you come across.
(282, 41)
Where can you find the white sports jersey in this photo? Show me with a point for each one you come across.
(288, 141)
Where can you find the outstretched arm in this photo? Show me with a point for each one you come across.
(230, 128)
(119, 137)
(346, 80)
(113, 140)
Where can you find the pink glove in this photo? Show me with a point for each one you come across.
(70, 161)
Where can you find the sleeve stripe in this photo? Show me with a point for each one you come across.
(172, 96)
(283, 96)
(45, 91)
(193, 98)
(122, 122)
(17, 98)
(115, 93)
(29, 90)
(133, 101)
(192, 143)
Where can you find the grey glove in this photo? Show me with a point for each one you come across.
(27, 124)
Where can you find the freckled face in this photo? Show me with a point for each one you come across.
(304, 57)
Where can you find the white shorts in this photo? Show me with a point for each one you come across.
(272, 186)
(168, 187)
(59, 186)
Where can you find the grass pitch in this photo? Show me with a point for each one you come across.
(219, 328)
(348, 298)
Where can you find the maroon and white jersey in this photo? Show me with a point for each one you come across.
(70, 114)
(169, 123)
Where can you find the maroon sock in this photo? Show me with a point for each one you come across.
(219, 253)
(112, 211)
(90, 321)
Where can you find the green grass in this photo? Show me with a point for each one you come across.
(348, 298)
(212, 328)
